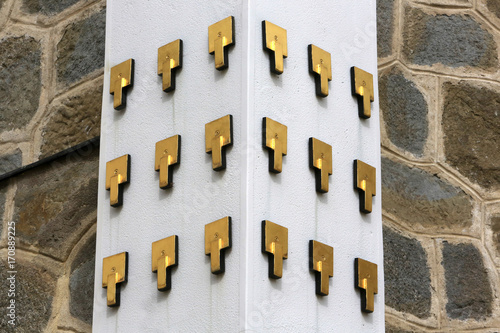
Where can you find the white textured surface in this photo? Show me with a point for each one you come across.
(243, 298)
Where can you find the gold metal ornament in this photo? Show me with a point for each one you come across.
(165, 255)
(167, 154)
(275, 244)
(275, 42)
(365, 178)
(320, 159)
(218, 134)
(320, 65)
(217, 239)
(121, 76)
(362, 87)
(366, 280)
(169, 60)
(321, 261)
(114, 272)
(117, 174)
(221, 35)
(274, 137)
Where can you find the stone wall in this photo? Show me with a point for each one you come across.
(51, 71)
(440, 104)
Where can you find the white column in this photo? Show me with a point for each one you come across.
(243, 298)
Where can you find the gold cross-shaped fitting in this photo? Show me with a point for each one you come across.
(366, 184)
(169, 60)
(221, 35)
(165, 254)
(362, 87)
(121, 76)
(275, 140)
(366, 281)
(167, 154)
(117, 174)
(114, 271)
(275, 243)
(218, 134)
(217, 239)
(274, 39)
(320, 64)
(320, 159)
(321, 261)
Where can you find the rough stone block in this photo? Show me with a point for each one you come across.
(81, 283)
(56, 203)
(81, 48)
(72, 120)
(494, 7)
(11, 161)
(35, 289)
(46, 7)
(405, 112)
(385, 27)
(393, 329)
(495, 229)
(423, 200)
(467, 285)
(406, 273)
(452, 40)
(3, 193)
(20, 77)
(471, 125)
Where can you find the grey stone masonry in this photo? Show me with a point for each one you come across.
(56, 203)
(47, 7)
(73, 119)
(495, 228)
(452, 40)
(471, 126)
(406, 274)
(35, 291)
(422, 200)
(51, 64)
(3, 192)
(81, 49)
(21, 83)
(405, 112)
(81, 283)
(494, 7)
(385, 27)
(439, 97)
(11, 161)
(467, 285)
